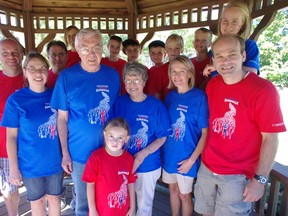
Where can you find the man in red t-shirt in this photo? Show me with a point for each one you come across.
(245, 118)
(57, 55)
(11, 79)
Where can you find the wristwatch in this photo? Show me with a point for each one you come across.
(261, 179)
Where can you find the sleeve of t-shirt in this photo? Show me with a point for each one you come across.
(132, 176)
(59, 97)
(91, 169)
(11, 115)
(268, 112)
(252, 55)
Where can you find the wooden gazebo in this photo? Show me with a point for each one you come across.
(129, 17)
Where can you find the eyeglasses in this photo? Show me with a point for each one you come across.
(33, 70)
(13, 54)
(59, 55)
(136, 81)
(86, 50)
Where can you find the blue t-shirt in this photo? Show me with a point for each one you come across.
(148, 120)
(252, 56)
(39, 152)
(189, 115)
(87, 97)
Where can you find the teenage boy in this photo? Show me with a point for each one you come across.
(158, 81)
(202, 41)
(132, 49)
(113, 60)
(157, 53)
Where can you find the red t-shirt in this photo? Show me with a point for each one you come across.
(111, 176)
(8, 85)
(159, 81)
(200, 80)
(52, 77)
(119, 66)
(238, 115)
(72, 58)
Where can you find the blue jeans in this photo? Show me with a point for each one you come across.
(39, 186)
(80, 189)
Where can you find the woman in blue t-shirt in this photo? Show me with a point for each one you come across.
(149, 123)
(188, 111)
(32, 141)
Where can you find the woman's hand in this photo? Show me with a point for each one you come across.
(15, 177)
(185, 166)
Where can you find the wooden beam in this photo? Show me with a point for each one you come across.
(8, 34)
(147, 38)
(132, 7)
(264, 23)
(47, 39)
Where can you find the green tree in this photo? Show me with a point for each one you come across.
(273, 43)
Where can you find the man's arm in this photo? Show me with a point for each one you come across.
(255, 190)
(62, 121)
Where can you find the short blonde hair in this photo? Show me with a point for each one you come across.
(246, 18)
(177, 39)
(66, 33)
(188, 64)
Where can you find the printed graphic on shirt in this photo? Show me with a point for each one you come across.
(49, 127)
(179, 128)
(226, 124)
(118, 198)
(100, 113)
(140, 139)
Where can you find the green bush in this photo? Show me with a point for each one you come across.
(278, 79)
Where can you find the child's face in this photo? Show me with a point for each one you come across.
(114, 48)
(231, 21)
(173, 50)
(115, 138)
(157, 55)
(133, 52)
(202, 41)
(180, 75)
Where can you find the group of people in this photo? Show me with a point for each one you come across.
(116, 126)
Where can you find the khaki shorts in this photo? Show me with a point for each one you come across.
(6, 188)
(185, 183)
(220, 195)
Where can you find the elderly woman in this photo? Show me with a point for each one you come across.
(149, 123)
(32, 142)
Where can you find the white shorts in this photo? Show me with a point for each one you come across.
(185, 183)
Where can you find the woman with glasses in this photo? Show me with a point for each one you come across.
(149, 123)
(32, 140)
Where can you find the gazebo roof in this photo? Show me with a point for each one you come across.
(129, 17)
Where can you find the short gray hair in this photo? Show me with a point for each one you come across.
(85, 33)
(134, 69)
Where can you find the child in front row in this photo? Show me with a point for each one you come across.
(108, 173)
(188, 111)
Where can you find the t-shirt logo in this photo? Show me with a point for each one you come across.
(100, 113)
(179, 128)
(49, 127)
(118, 198)
(226, 124)
(140, 139)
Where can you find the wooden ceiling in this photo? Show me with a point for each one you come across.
(129, 17)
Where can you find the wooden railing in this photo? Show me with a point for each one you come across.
(279, 179)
